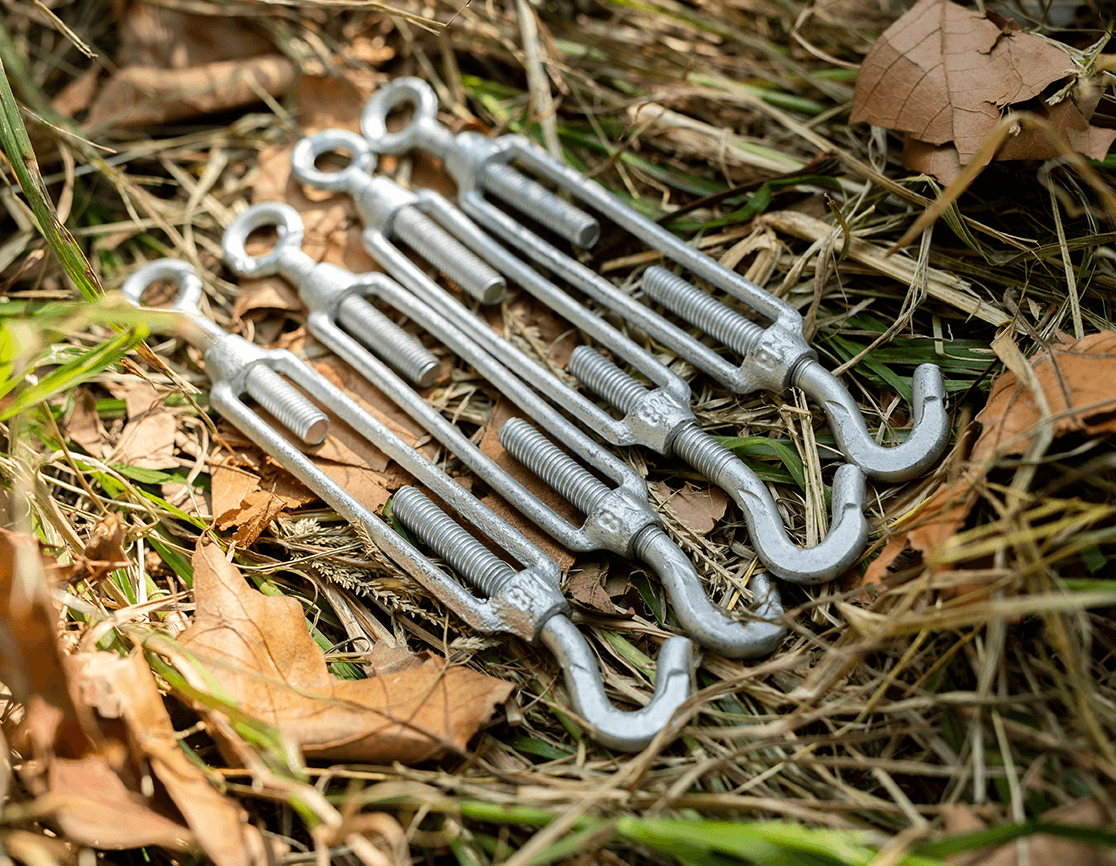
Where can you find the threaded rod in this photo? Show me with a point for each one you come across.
(603, 377)
(290, 408)
(699, 309)
(379, 333)
(448, 255)
(572, 481)
(468, 557)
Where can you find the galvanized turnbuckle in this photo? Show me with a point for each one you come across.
(618, 518)
(656, 416)
(772, 358)
(524, 601)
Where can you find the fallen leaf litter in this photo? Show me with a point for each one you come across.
(96, 434)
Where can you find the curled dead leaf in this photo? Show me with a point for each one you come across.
(258, 649)
(125, 688)
(1078, 380)
(699, 508)
(140, 96)
(947, 75)
(92, 726)
(103, 553)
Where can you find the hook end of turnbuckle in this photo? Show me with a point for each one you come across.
(929, 433)
(617, 729)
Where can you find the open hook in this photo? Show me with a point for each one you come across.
(917, 453)
(625, 731)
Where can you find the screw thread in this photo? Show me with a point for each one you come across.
(290, 408)
(387, 339)
(696, 447)
(467, 556)
(692, 304)
(572, 481)
(448, 255)
(535, 200)
(603, 377)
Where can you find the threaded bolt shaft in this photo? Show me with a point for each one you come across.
(388, 340)
(692, 304)
(290, 408)
(696, 447)
(603, 377)
(467, 556)
(572, 481)
(448, 255)
(539, 203)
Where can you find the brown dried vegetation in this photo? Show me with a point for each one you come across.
(197, 658)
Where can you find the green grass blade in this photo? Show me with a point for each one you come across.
(74, 372)
(25, 165)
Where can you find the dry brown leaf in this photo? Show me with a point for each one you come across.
(259, 651)
(328, 102)
(152, 35)
(148, 442)
(699, 508)
(70, 762)
(1041, 849)
(1078, 379)
(138, 96)
(125, 688)
(104, 552)
(1080, 389)
(946, 75)
(84, 425)
(240, 500)
(98, 809)
(585, 589)
(31, 664)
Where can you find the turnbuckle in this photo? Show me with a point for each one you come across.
(657, 417)
(618, 519)
(526, 602)
(772, 358)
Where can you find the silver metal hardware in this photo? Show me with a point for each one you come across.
(778, 359)
(398, 213)
(526, 603)
(625, 521)
(496, 175)
(655, 420)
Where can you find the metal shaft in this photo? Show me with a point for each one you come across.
(539, 203)
(603, 377)
(448, 254)
(468, 557)
(572, 481)
(287, 404)
(696, 307)
(400, 349)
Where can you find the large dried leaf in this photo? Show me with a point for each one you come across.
(30, 662)
(98, 809)
(86, 772)
(139, 96)
(1078, 379)
(946, 75)
(125, 688)
(259, 650)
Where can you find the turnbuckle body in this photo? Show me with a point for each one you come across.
(656, 416)
(526, 602)
(617, 518)
(772, 358)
